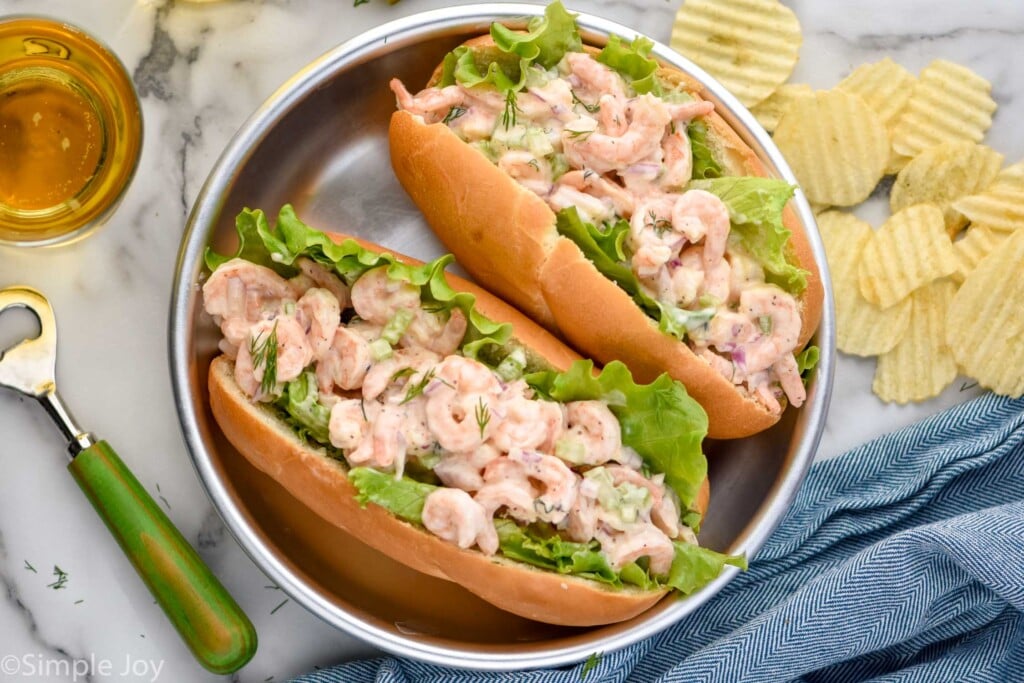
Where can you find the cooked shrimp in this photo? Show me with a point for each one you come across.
(788, 374)
(527, 423)
(241, 292)
(293, 352)
(559, 482)
(345, 363)
(438, 332)
(466, 470)
(777, 312)
(383, 447)
(678, 160)
(596, 429)
(319, 313)
(601, 187)
(590, 208)
(593, 78)
(325, 279)
(459, 402)
(687, 283)
(432, 103)
(663, 510)
(601, 152)
(461, 422)
(525, 167)
(612, 114)
(376, 297)
(721, 365)
(453, 515)
(715, 282)
(516, 497)
(621, 548)
(712, 218)
(350, 422)
(665, 514)
(684, 112)
(468, 376)
(384, 373)
(728, 331)
(652, 235)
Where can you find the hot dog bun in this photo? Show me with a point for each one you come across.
(506, 238)
(311, 475)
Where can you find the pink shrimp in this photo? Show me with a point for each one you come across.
(560, 483)
(595, 429)
(601, 152)
(624, 547)
(291, 354)
(601, 187)
(345, 363)
(466, 470)
(699, 212)
(432, 103)
(376, 297)
(319, 313)
(325, 279)
(240, 293)
(440, 332)
(678, 157)
(778, 315)
(453, 515)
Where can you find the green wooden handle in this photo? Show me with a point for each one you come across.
(213, 625)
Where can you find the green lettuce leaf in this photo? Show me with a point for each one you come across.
(660, 421)
(633, 61)
(755, 209)
(290, 238)
(546, 39)
(463, 66)
(694, 567)
(403, 497)
(554, 553)
(301, 401)
(704, 163)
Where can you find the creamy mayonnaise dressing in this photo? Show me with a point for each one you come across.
(399, 394)
(578, 135)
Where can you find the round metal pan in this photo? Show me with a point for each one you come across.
(320, 143)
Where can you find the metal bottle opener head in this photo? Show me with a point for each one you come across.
(29, 367)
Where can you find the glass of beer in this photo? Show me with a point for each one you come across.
(70, 132)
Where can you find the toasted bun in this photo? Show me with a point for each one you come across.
(311, 475)
(505, 236)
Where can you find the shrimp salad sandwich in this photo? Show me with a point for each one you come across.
(445, 429)
(601, 195)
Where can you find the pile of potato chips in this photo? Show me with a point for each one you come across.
(939, 287)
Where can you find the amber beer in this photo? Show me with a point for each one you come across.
(70, 131)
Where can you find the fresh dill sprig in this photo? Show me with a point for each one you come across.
(280, 605)
(404, 372)
(30, 567)
(592, 108)
(483, 415)
(62, 579)
(579, 134)
(416, 389)
(264, 354)
(589, 665)
(453, 113)
(508, 117)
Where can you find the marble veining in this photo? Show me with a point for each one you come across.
(201, 68)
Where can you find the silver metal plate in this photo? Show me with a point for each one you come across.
(320, 143)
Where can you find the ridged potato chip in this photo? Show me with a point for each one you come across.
(948, 102)
(862, 328)
(769, 111)
(751, 46)
(976, 244)
(921, 365)
(836, 145)
(985, 325)
(910, 250)
(884, 85)
(942, 174)
(1001, 204)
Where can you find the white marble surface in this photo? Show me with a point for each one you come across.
(200, 69)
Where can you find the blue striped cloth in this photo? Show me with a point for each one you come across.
(902, 560)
